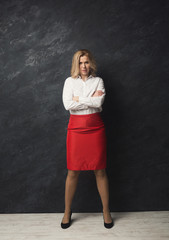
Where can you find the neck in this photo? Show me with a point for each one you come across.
(84, 78)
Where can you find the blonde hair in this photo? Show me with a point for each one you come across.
(76, 59)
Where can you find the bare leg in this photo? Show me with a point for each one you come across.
(70, 188)
(103, 189)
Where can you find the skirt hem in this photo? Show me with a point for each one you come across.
(86, 169)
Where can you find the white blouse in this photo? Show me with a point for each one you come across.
(84, 89)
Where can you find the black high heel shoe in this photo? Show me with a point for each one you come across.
(66, 225)
(108, 225)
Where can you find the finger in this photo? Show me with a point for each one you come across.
(100, 92)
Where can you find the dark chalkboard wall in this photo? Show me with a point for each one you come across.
(130, 41)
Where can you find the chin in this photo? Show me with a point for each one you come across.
(85, 74)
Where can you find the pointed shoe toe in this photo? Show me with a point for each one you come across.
(109, 225)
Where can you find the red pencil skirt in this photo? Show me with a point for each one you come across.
(86, 142)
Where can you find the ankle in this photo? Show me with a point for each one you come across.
(67, 211)
(106, 210)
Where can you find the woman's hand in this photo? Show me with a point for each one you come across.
(76, 98)
(97, 93)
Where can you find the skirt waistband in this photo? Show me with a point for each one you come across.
(85, 115)
(86, 121)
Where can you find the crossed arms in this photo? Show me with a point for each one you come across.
(79, 103)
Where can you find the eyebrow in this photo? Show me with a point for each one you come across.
(85, 61)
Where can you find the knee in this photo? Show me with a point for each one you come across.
(73, 174)
(100, 173)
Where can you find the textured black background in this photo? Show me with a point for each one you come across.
(130, 41)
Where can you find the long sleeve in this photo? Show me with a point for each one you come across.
(94, 101)
(67, 96)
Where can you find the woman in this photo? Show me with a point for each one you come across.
(83, 95)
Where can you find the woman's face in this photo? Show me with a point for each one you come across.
(84, 66)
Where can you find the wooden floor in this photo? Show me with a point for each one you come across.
(128, 226)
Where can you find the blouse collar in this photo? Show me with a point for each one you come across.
(90, 76)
